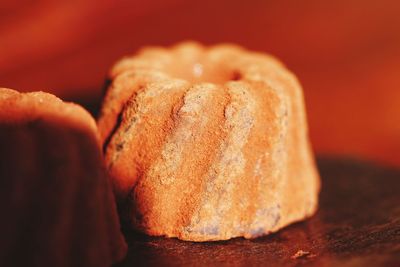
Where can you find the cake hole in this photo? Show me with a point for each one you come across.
(209, 73)
(204, 72)
(236, 75)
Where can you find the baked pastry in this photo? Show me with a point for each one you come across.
(207, 143)
(56, 202)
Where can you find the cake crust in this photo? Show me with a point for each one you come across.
(210, 144)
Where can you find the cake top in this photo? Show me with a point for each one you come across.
(17, 108)
(197, 63)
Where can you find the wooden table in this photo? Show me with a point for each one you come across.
(358, 224)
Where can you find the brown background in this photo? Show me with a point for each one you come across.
(345, 53)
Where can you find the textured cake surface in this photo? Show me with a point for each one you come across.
(207, 143)
(56, 201)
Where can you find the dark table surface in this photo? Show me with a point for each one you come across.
(357, 224)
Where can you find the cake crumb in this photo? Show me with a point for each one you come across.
(303, 254)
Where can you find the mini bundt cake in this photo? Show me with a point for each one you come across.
(56, 200)
(207, 143)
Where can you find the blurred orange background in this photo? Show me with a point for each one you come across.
(345, 53)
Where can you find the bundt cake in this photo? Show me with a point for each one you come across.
(207, 143)
(56, 201)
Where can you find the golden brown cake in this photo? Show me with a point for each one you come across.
(207, 143)
(56, 203)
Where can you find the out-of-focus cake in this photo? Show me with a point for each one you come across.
(56, 202)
